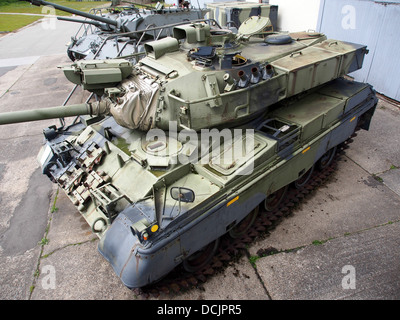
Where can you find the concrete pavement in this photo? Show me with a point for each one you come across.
(341, 243)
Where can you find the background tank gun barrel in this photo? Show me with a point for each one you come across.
(52, 113)
(95, 23)
(73, 11)
(142, 5)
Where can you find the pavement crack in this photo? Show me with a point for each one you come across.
(36, 274)
(253, 264)
(45, 241)
(376, 174)
(262, 253)
(13, 84)
(346, 234)
(66, 246)
(44, 256)
(358, 165)
(369, 228)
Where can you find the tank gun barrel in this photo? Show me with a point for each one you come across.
(52, 113)
(74, 11)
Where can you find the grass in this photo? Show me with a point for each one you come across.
(26, 7)
(10, 23)
(15, 22)
(54, 208)
(377, 178)
(43, 242)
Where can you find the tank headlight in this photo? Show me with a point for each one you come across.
(143, 230)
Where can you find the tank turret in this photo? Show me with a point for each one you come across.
(192, 142)
(226, 71)
(127, 20)
(120, 31)
(233, 77)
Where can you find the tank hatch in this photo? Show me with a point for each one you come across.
(255, 25)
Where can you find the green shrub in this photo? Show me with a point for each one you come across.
(6, 2)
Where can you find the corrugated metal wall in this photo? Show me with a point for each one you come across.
(376, 24)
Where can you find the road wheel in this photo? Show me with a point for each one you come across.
(274, 200)
(326, 159)
(302, 181)
(201, 258)
(243, 226)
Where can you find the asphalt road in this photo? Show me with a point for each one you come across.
(28, 79)
(341, 243)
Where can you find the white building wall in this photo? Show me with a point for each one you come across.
(297, 15)
(293, 15)
(376, 24)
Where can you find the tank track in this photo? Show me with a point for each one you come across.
(230, 249)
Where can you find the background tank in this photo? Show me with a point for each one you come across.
(234, 13)
(161, 169)
(118, 31)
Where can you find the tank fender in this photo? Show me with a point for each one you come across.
(119, 246)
